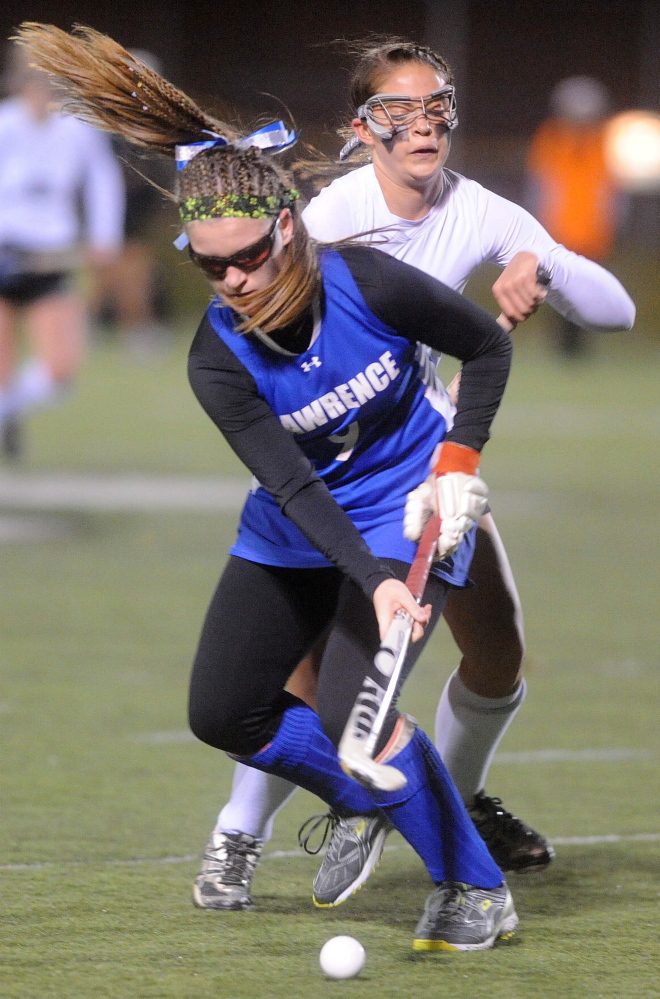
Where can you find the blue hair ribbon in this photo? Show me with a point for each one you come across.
(274, 137)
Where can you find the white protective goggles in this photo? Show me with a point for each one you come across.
(387, 114)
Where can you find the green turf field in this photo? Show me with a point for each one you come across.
(106, 803)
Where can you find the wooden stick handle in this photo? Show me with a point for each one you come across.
(419, 570)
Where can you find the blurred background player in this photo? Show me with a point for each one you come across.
(51, 165)
(131, 290)
(572, 191)
(448, 226)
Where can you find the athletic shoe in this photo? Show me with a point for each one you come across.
(460, 917)
(354, 850)
(513, 845)
(228, 867)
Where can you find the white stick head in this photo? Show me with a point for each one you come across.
(357, 763)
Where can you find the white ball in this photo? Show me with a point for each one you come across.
(342, 957)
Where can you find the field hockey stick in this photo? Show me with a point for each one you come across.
(368, 714)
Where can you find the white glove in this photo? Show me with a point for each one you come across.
(460, 499)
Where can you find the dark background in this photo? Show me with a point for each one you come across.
(264, 60)
(507, 56)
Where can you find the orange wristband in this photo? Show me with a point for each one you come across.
(457, 458)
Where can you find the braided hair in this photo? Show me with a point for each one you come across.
(248, 174)
(101, 83)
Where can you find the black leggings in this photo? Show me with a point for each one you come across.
(261, 622)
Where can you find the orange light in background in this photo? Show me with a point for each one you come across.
(632, 149)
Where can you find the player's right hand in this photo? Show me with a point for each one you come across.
(392, 595)
(517, 291)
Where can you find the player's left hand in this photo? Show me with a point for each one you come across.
(461, 500)
(455, 491)
(517, 291)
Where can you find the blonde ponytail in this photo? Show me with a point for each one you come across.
(107, 87)
(104, 85)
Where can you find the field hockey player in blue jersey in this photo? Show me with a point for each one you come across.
(402, 197)
(308, 361)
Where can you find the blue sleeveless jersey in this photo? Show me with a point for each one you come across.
(367, 410)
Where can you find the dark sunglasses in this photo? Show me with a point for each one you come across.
(250, 258)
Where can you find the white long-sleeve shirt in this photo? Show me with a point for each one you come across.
(48, 167)
(468, 226)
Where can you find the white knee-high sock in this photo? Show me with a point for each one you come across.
(256, 798)
(33, 386)
(468, 730)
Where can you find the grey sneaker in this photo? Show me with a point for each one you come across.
(460, 917)
(354, 850)
(228, 866)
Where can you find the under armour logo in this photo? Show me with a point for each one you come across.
(308, 365)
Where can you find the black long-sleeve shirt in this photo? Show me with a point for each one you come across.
(416, 307)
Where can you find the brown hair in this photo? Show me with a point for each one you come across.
(377, 57)
(103, 84)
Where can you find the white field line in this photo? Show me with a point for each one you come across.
(575, 756)
(577, 420)
(183, 735)
(611, 838)
(82, 492)
(121, 493)
(285, 854)
(534, 756)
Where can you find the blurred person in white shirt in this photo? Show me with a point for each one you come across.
(51, 167)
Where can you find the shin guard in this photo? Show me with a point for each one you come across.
(430, 815)
(301, 752)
